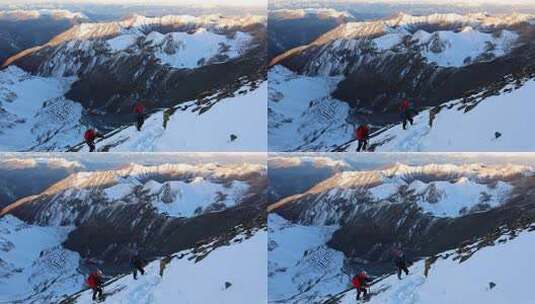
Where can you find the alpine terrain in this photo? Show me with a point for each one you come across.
(190, 79)
(462, 229)
(193, 233)
(465, 79)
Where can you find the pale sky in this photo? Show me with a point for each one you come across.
(148, 2)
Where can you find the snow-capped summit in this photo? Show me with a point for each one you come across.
(442, 190)
(448, 40)
(315, 12)
(20, 15)
(187, 181)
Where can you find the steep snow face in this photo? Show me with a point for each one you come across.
(34, 114)
(202, 127)
(191, 50)
(34, 266)
(186, 199)
(301, 267)
(185, 50)
(438, 190)
(302, 115)
(452, 281)
(454, 129)
(229, 274)
(447, 199)
(456, 49)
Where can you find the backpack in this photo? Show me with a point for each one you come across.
(89, 134)
(91, 280)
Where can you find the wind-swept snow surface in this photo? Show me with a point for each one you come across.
(186, 50)
(35, 268)
(507, 266)
(454, 129)
(302, 115)
(34, 114)
(301, 267)
(461, 48)
(190, 129)
(230, 274)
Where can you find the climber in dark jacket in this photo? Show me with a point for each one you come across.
(400, 261)
(139, 109)
(406, 113)
(137, 264)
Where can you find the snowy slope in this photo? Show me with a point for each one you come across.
(194, 282)
(456, 130)
(34, 114)
(185, 50)
(460, 48)
(507, 264)
(188, 129)
(302, 115)
(184, 199)
(301, 267)
(34, 266)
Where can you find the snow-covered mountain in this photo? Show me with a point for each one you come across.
(215, 123)
(438, 190)
(92, 74)
(15, 172)
(178, 41)
(148, 204)
(444, 203)
(431, 60)
(35, 266)
(179, 190)
(214, 273)
(494, 119)
(35, 113)
(201, 214)
(290, 28)
(18, 14)
(302, 115)
(301, 267)
(452, 214)
(477, 272)
(446, 40)
(23, 29)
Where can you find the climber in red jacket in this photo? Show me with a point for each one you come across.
(94, 281)
(139, 109)
(361, 134)
(360, 282)
(90, 135)
(406, 113)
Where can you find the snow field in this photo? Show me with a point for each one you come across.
(187, 282)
